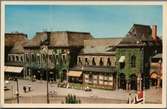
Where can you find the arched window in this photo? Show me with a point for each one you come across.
(17, 58)
(27, 58)
(21, 58)
(79, 61)
(93, 61)
(86, 61)
(101, 62)
(13, 58)
(64, 59)
(108, 62)
(133, 61)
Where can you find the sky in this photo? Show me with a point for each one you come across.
(100, 20)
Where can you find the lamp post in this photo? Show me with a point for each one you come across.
(17, 92)
(47, 76)
(68, 52)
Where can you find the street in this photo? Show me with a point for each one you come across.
(38, 94)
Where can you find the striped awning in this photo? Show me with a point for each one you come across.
(122, 59)
(74, 73)
(13, 69)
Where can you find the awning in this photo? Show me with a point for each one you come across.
(74, 73)
(13, 69)
(122, 59)
(154, 76)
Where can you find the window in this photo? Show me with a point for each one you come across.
(27, 58)
(21, 58)
(64, 59)
(90, 77)
(13, 58)
(101, 62)
(133, 61)
(17, 58)
(33, 57)
(79, 61)
(108, 62)
(86, 61)
(122, 65)
(93, 61)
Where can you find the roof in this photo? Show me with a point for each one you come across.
(12, 38)
(100, 45)
(17, 49)
(137, 36)
(59, 39)
(95, 69)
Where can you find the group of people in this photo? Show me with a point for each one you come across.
(27, 87)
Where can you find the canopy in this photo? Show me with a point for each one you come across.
(74, 73)
(13, 69)
(122, 59)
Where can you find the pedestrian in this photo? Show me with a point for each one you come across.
(29, 87)
(24, 88)
(131, 99)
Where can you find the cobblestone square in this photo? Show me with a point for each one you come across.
(38, 94)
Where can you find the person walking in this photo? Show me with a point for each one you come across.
(131, 98)
(29, 87)
(24, 88)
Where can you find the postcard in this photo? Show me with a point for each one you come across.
(83, 54)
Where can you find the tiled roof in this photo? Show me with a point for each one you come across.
(18, 48)
(12, 38)
(137, 35)
(59, 39)
(100, 45)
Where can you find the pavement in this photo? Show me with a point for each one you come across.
(38, 91)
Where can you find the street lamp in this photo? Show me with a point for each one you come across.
(68, 52)
(17, 92)
(47, 86)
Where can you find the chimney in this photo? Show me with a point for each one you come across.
(154, 32)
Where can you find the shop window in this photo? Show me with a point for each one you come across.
(93, 61)
(133, 61)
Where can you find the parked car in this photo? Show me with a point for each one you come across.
(88, 89)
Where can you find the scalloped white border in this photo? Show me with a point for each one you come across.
(164, 34)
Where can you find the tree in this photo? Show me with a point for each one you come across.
(72, 99)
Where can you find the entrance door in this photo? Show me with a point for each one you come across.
(133, 82)
(122, 81)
